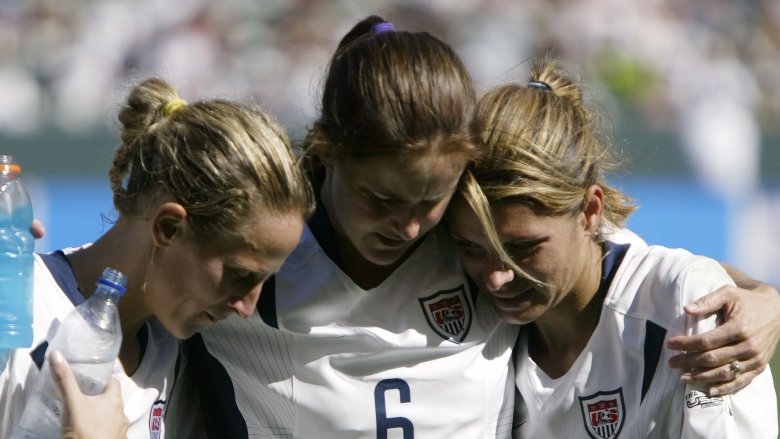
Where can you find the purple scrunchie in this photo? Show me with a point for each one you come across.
(382, 27)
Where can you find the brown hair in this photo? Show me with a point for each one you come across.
(393, 92)
(222, 161)
(544, 149)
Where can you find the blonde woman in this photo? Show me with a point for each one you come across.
(537, 226)
(210, 203)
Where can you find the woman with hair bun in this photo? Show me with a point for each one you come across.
(538, 228)
(371, 328)
(210, 203)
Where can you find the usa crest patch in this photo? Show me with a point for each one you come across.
(156, 419)
(603, 413)
(448, 313)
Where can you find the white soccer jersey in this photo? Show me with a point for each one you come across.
(621, 385)
(421, 355)
(142, 394)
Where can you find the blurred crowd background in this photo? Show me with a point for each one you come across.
(692, 89)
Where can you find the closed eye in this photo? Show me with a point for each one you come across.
(522, 249)
(468, 247)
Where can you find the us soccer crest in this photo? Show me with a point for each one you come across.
(603, 413)
(156, 419)
(448, 313)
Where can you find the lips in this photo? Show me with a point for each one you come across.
(211, 317)
(508, 299)
(390, 242)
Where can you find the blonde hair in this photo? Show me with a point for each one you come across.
(544, 149)
(224, 162)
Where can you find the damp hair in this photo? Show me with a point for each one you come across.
(545, 148)
(223, 161)
(394, 93)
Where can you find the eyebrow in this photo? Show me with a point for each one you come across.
(395, 197)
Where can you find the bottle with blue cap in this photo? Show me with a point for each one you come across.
(89, 337)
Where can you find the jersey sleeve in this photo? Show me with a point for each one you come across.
(749, 413)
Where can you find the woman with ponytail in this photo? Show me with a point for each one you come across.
(540, 229)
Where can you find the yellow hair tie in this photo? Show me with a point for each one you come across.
(173, 106)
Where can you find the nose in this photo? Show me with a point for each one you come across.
(245, 305)
(497, 275)
(408, 224)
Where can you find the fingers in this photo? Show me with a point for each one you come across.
(63, 376)
(733, 385)
(37, 230)
(726, 334)
(722, 374)
(713, 302)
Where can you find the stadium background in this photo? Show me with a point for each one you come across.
(691, 89)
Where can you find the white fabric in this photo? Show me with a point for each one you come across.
(652, 283)
(139, 392)
(343, 352)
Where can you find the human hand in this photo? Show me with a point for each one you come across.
(85, 417)
(37, 230)
(749, 334)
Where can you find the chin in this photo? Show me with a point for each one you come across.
(182, 332)
(383, 257)
(519, 317)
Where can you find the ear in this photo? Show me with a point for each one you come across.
(592, 209)
(168, 222)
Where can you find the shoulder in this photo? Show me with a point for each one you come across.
(621, 235)
(656, 282)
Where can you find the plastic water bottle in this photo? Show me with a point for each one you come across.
(89, 338)
(16, 259)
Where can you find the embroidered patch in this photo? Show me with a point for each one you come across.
(448, 313)
(156, 419)
(695, 398)
(603, 413)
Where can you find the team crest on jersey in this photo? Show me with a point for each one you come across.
(448, 313)
(603, 413)
(156, 419)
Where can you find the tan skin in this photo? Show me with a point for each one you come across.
(173, 277)
(380, 207)
(709, 353)
(558, 251)
(99, 417)
(730, 300)
(753, 343)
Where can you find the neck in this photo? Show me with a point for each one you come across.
(121, 248)
(558, 338)
(363, 272)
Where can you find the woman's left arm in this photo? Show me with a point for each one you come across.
(731, 355)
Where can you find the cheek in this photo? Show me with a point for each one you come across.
(435, 214)
(471, 265)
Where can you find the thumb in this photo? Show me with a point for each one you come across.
(63, 376)
(708, 304)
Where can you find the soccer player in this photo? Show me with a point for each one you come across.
(536, 226)
(370, 328)
(210, 203)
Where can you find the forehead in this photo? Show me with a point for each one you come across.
(422, 176)
(266, 239)
(512, 220)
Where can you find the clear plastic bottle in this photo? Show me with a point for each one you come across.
(89, 337)
(16, 259)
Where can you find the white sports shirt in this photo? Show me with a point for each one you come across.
(420, 356)
(620, 385)
(55, 295)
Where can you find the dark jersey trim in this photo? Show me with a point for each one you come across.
(654, 343)
(62, 272)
